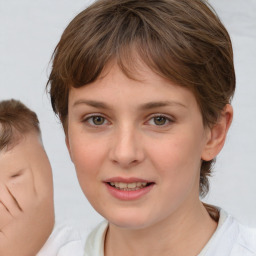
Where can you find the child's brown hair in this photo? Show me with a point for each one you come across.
(181, 40)
(15, 120)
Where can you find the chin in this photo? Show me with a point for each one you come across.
(128, 220)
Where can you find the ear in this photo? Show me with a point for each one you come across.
(68, 147)
(217, 134)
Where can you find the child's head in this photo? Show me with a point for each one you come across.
(26, 189)
(16, 120)
(182, 41)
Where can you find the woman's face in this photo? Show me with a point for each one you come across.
(136, 146)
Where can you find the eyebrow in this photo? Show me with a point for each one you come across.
(145, 106)
(158, 104)
(92, 103)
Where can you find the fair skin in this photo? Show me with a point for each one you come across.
(26, 198)
(137, 147)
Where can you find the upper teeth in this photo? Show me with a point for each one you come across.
(128, 185)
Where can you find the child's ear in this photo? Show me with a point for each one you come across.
(217, 134)
(68, 147)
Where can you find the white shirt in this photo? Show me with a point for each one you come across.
(64, 241)
(229, 239)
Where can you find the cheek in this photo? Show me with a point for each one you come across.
(43, 180)
(179, 151)
(177, 160)
(88, 157)
(178, 172)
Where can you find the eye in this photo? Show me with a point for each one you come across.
(17, 173)
(96, 120)
(159, 120)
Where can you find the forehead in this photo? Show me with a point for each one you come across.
(144, 86)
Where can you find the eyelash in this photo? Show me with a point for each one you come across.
(17, 174)
(167, 119)
(89, 120)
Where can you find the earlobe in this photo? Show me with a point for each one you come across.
(217, 134)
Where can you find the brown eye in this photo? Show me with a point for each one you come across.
(96, 120)
(160, 120)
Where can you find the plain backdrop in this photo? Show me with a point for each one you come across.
(29, 32)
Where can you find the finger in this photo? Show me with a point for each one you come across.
(5, 216)
(9, 201)
(14, 199)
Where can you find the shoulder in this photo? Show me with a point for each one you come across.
(94, 245)
(64, 241)
(246, 240)
(233, 238)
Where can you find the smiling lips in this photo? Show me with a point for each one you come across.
(128, 189)
(128, 186)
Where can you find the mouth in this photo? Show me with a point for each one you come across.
(127, 189)
(131, 186)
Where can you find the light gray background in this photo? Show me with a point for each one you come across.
(29, 32)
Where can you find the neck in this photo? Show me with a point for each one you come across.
(183, 233)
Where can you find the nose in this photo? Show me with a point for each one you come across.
(127, 147)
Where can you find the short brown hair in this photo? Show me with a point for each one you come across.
(181, 40)
(15, 120)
